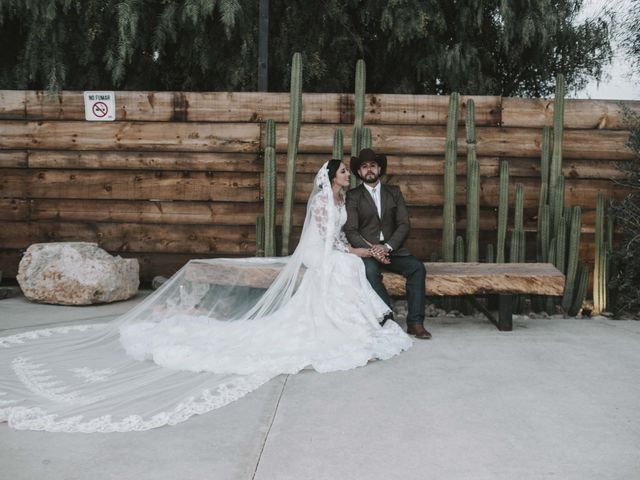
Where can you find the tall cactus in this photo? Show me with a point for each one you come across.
(338, 144)
(449, 209)
(360, 87)
(473, 186)
(365, 141)
(356, 146)
(543, 199)
(545, 155)
(556, 197)
(600, 265)
(571, 282)
(558, 129)
(560, 242)
(503, 211)
(270, 190)
(582, 285)
(358, 120)
(293, 139)
(489, 257)
(260, 235)
(518, 246)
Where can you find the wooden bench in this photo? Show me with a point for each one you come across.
(503, 280)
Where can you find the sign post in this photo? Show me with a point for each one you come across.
(99, 106)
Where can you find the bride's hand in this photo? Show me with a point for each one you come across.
(384, 258)
(362, 252)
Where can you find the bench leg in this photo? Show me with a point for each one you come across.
(505, 311)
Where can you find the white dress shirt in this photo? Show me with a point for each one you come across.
(375, 194)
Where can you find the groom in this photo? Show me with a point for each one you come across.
(377, 217)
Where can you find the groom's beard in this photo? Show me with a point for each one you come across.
(371, 178)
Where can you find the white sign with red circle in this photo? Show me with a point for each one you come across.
(99, 106)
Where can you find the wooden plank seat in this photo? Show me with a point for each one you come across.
(443, 279)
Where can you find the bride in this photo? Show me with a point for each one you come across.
(193, 346)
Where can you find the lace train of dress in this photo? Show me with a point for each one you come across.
(192, 347)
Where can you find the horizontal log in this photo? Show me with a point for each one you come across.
(223, 213)
(12, 104)
(247, 107)
(217, 240)
(247, 187)
(429, 190)
(214, 161)
(441, 279)
(578, 113)
(161, 212)
(14, 209)
(489, 166)
(317, 108)
(150, 136)
(131, 237)
(130, 185)
(305, 163)
(490, 141)
(314, 138)
(13, 159)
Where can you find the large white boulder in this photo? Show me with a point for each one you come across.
(76, 273)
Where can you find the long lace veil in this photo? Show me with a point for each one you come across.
(80, 378)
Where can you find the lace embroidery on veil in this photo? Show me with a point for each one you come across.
(191, 347)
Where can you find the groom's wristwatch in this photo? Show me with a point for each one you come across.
(388, 247)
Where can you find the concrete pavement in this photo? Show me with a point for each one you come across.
(554, 399)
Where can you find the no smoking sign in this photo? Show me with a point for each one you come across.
(99, 106)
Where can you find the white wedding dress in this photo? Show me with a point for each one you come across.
(193, 346)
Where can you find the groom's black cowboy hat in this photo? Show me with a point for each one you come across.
(368, 155)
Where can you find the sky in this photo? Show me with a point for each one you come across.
(617, 84)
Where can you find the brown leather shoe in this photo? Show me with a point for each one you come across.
(418, 330)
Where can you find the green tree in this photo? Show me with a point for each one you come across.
(630, 34)
(626, 254)
(501, 47)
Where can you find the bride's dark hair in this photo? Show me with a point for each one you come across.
(332, 168)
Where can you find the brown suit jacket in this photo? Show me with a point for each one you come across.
(363, 225)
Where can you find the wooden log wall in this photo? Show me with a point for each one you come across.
(178, 175)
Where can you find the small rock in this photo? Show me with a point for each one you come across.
(8, 292)
(158, 281)
(76, 273)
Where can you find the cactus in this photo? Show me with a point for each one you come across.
(270, 135)
(558, 117)
(518, 219)
(544, 234)
(356, 146)
(516, 255)
(338, 144)
(557, 205)
(358, 121)
(270, 202)
(473, 186)
(580, 290)
(600, 265)
(449, 208)
(293, 138)
(560, 241)
(260, 236)
(361, 82)
(550, 302)
(572, 262)
(542, 202)
(459, 249)
(489, 258)
(365, 141)
(503, 211)
(545, 154)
